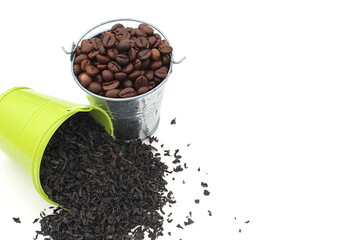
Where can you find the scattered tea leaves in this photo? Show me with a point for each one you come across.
(112, 188)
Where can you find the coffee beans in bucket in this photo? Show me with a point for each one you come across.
(122, 62)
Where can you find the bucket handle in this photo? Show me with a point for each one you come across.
(73, 47)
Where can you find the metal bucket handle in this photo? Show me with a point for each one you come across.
(73, 47)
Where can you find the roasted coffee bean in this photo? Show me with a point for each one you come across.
(146, 64)
(128, 68)
(155, 65)
(131, 31)
(149, 74)
(139, 33)
(85, 41)
(107, 75)
(123, 46)
(80, 58)
(142, 42)
(165, 59)
(157, 80)
(144, 54)
(127, 83)
(151, 41)
(161, 73)
(77, 69)
(165, 49)
(110, 85)
(84, 79)
(114, 67)
(165, 42)
(122, 59)
(97, 43)
(91, 70)
(137, 64)
(132, 42)
(113, 93)
(101, 66)
(157, 36)
(140, 81)
(84, 64)
(93, 54)
(155, 54)
(121, 34)
(157, 43)
(164, 68)
(134, 75)
(98, 78)
(87, 48)
(95, 87)
(143, 89)
(112, 52)
(132, 54)
(109, 39)
(78, 50)
(151, 84)
(127, 92)
(120, 76)
(116, 26)
(146, 28)
(103, 59)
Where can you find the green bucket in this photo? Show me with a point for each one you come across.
(29, 119)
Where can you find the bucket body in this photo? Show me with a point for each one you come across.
(135, 117)
(28, 121)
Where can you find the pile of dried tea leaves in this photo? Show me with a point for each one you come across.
(109, 189)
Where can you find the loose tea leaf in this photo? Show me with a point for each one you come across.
(188, 222)
(204, 184)
(178, 168)
(179, 226)
(173, 121)
(17, 220)
(206, 192)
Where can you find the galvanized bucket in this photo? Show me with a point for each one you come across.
(136, 117)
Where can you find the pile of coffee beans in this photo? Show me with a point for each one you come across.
(109, 189)
(122, 62)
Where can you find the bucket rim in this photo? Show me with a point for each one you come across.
(3, 95)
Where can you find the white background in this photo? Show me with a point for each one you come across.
(268, 97)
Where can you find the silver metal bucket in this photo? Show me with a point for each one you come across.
(136, 117)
